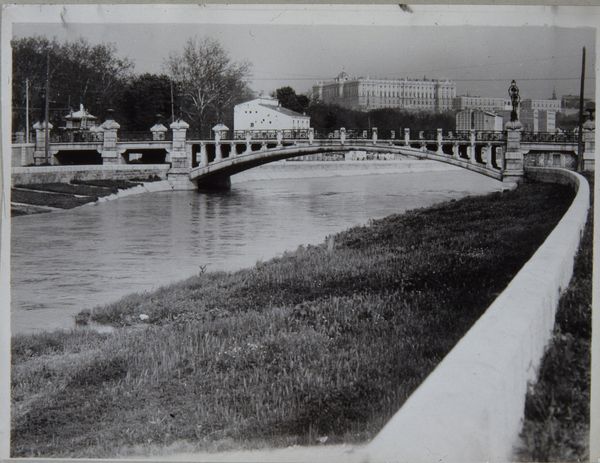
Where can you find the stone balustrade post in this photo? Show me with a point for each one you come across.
(589, 146)
(488, 156)
(248, 137)
(311, 135)
(263, 145)
(159, 132)
(202, 156)
(343, 135)
(279, 138)
(513, 169)
(440, 141)
(406, 137)
(471, 149)
(179, 156)
(39, 154)
(455, 150)
(374, 135)
(232, 149)
(110, 152)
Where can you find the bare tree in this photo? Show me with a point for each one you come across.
(208, 81)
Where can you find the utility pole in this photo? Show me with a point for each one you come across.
(47, 111)
(580, 126)
(172, 105)
(26, 110)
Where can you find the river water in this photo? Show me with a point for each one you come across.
(71, 260)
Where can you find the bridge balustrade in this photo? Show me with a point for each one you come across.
(136, 136)
(549, 137)
(76, 137)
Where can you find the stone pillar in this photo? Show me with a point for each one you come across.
(440, 140)
(406, 137)
(471, 149)
(513, 171)
(179, 159)
(311, 136)
(343, 135)
(374, 135)
(232, 149)
(455, 150)
(202, 155)
(110, 153)
(589, 143)
(392, 134)
(488, 156)
(279, 138)
(263, 145)
(39, 154)
(159, 132)
(248, 137)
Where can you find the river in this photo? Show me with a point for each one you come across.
(72, 260)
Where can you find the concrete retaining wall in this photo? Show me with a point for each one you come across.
(64, 174)
(471, 406)
(22, 154)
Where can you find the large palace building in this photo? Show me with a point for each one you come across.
(365, 93)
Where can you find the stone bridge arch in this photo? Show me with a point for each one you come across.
(216, 172)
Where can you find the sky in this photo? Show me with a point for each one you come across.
(482, 60)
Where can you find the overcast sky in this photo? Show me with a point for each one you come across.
(482, 60)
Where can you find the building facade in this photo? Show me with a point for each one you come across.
(364, 94)
(480, 102)
(477, 119)
(267, 114)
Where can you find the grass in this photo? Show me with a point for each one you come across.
(557, 412)
(328, 340)
(65, 195)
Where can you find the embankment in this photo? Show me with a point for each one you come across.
(328, 341)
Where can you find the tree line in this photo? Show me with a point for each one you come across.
(200, 84)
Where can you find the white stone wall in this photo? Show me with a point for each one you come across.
(471, 406)
(259, 114)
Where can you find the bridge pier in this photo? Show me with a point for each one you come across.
(110, 153)
(215, 183)
(513, 171)
(39, 154)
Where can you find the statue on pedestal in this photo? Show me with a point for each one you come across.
(515, 99)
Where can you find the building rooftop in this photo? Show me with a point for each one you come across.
(79, 115)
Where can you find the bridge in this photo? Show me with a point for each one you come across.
(196, 162)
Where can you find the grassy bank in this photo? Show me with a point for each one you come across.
(557, 410)
(328, 340)
(64, 195)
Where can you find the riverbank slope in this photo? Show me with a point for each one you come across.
(324, 343)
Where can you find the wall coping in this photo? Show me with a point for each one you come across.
(470, 408)
(91, 168)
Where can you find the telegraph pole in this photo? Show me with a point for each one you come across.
(172, 106)
(27, 110)
(580, 126)
(47, 111)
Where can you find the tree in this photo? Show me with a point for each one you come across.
(79, 73)
(289, 99)
(209, 83)
(143, 98)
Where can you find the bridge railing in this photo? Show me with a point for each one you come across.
(549, 137)
(76, 137)
(288, 134)
(136, 135)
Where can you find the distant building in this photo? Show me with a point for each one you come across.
(544, 105)
(480, 102)
(267, 114)
(570, 104)
(79, 120)
(364, 93)
(477, 119)
(537, 120)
